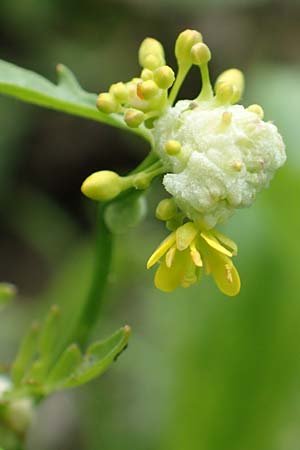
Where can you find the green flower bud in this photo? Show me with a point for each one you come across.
(106, 103)
(200, 54)
(151, 54)
(172, 147)
(164, 77)
(224, 93)
(166, 209)
(147, 89)
(184, 44)
(134, 117)
(104, 185)
(120, 92)
(257, 109)
(234, 77)
(147, 74)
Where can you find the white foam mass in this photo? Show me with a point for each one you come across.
(221, 167)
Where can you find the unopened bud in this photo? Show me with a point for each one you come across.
(147, 89)
(104, 185)
(200, 54)
(134, 117)
(106, 103)
(119, 91)
(146, 74)
(234, 77)
(184, 44)
(166, 209)
(164, 77)
(224, 93)
(257, 109)
(151, 54)
(172, 147)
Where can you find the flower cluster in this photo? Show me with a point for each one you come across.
(215, 155)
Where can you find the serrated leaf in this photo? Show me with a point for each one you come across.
(99, 357)
(67, 96)
(64, 368)
(125, 213)
(25, 354)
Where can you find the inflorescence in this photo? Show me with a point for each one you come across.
(215, 155)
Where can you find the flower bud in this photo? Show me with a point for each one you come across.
(104, 185)
(164, 77)
(200, 54)
(257, 109)
(147, 89)
(184, 44)
(119, 91)
(172, 147)
(151, 54)
(224, 93)
(146, 74)
(234, 77)
(106, 103)
(134, 117)
(166, 209)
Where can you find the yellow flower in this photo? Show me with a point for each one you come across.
(187, 251)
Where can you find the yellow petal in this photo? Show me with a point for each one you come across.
(225, 274)
(195, 255)
(185, 235)
(181, 273)
(161, 250)
(170, 256)
(226, 241)
(212, 242)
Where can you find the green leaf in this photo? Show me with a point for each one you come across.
(25, 354)
(64, 368)
(67, 96)
(125, 213)
(99, 357)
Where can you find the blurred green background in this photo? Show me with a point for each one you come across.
(202, 371)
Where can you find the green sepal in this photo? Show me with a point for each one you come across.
(25, 354)
(125, 213)
(99, 357)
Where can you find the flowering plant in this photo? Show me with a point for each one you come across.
(214, 156)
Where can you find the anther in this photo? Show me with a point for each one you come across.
(147, 89)
(134, 117)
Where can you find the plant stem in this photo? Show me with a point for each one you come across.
(91, 309)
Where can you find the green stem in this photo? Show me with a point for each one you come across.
(182, 73)
(91, 309)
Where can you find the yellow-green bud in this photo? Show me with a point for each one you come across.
(172, 147)
(151, 54)
(166, 209)
(104, 185)
(257, 109)
(141, 180)
(200, 54)
(134, 117)
(224, 93)
(184, 44)
(234, 77)
(106, 103)
(120, 92)
(164, 77)
(147, 89)
(146, 74)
